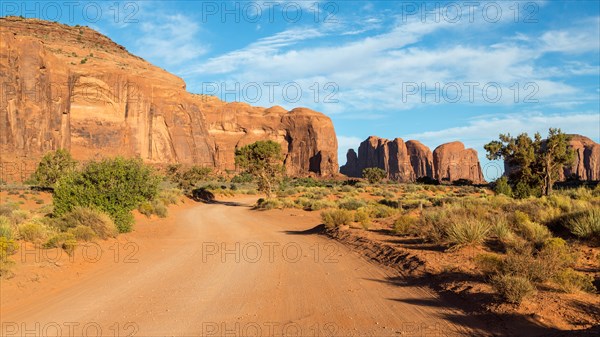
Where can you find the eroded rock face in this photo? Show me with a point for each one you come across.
(406, 162)
(71, 87)
(451, 162)
(586, 165)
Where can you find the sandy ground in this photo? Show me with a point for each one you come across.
(221, 269)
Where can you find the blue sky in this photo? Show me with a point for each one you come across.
(431, 71)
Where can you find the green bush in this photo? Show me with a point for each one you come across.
(571, 281)
(99, 222)
(404, 224)
(53, 166)
(7, 248)
(115, 186)
(513, 289)
(82, 233)
(336, 218)
(159, 208)
(489, 264)
(501, 186)
(351, 204)
(268, 204)
(363, 217)
(6, 231)
(32, 231)
(146, 208)
(381, 211)
(586, 225)
(467, 233)
(66, 241)
(242, 178)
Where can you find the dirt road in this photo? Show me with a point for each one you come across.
(223, 269)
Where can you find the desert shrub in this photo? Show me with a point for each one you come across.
(187, 179)
(66, 241)
(7, 248)
(315, 205)
(530, 230)
(571, 281)
(242, 178)
(32, 231)
(501, 230)
(404, 224)
(374, 174)
(501, 186)
(586, 225)
(7, 208)
(82, 233)
(115, 186)
(337, 217)
(99, 222)
(347, 188)
(391, 203)
(159, 208)
(363, 217)
(6, 231)
(268, 204)
(467, 233)
(170, 196)
(512, 289)
(381, 211)
(489, 264)
(19, 216)
(53, 166)
(146, 208)
(351, 204)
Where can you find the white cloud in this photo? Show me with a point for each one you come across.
(170, 40)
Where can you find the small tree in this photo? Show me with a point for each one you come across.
(374, 174)
(264, 161)
(53, 166)
(187, 179)
(534, 164)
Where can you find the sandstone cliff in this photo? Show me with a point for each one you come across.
(71, 87)
(586, 165)
(406, 162)
(451, 162)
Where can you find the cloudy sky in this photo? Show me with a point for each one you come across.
(433, 71)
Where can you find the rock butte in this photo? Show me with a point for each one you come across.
(407, 162)
(74, 88)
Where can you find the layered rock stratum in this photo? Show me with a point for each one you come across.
(73, 88)
(411, 160)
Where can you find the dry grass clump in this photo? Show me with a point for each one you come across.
(337, 217)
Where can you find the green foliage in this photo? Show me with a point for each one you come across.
(513, 289)
(114, 186)
(571, 281)
(381, 211)
(66, 241)
(351, 204)
(502, 187)
(6, 231)
(7, 248)
(82, 233)
(404, 224)
(242, 178)
(374, 174)
(470, 232)
(337, 217)
(99, 222)
(534, 164)
(264, 161)
(32, 231)
(586, 225)
(363, 217)
(53, 166)
(189, 178)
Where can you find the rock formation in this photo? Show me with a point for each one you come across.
(73, 88)
(586, 165)
(451, 162)
(406, 162)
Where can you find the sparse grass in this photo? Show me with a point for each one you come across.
(467, 233)
(586, 225)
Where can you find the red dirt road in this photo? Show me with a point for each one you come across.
(222, 269)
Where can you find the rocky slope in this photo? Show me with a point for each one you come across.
(406, 162)
(71, 87)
